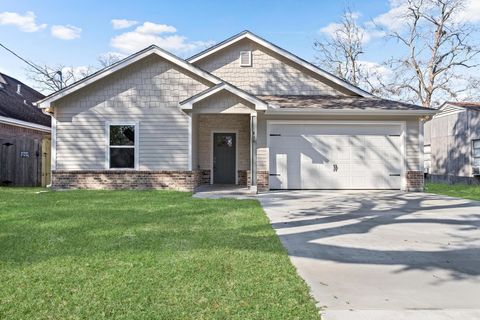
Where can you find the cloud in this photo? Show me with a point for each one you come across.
(471, 13)
(395, 18)
(123, 23)
(159, 34)
(367, 32)
(25, 23)
(332, 29)
(67, 32)
(150, 27)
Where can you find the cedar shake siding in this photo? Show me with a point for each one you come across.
(147, 92)
(270, 74)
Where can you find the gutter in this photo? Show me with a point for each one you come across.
(24, 124)
(348, 112)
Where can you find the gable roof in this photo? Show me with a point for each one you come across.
(453, 107)
(342, 104)
(153, 49)
(290, 56)
(16, 107)
(471, 105)
(187, 104)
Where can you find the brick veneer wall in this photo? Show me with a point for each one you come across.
(204, 176)
(262, 180)
(244, 178)
(121, 179)
(415, 181)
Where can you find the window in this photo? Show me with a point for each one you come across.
(122, 145)
(476, 153)
(245, 58)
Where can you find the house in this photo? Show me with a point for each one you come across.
(24, 136)
(452, 143)
(244, 111)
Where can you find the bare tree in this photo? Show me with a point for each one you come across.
(439, 49)
(53, 78)
(340, 52)
(108, 59)
(50, 79)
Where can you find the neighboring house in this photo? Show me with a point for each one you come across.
(241, 112)
(24, 136)
(452, 143)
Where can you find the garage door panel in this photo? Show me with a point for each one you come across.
(335, 157)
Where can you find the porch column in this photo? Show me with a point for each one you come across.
(253, 152)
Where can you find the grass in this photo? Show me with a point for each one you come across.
(456, 190)
(142, 255)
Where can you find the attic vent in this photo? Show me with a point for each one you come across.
(245, 58)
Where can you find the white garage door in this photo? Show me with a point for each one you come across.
(335, 156)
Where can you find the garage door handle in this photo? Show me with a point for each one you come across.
(394, 174)
(274, 174)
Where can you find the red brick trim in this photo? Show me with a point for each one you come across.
(126, 179)
(262, 181)
(415, 181)
(244, 178)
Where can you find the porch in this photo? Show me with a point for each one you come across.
(223, 137)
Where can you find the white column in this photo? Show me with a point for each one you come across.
(253, 152)
(190, 142)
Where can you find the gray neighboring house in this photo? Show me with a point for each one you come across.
(452, 143)
(243, 112)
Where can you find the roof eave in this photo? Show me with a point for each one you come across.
(283, 52)
(311, 111)
(24, 124)
(188, 103)
(45, 103)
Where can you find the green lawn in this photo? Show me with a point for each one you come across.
(456, 190)
(142, 255)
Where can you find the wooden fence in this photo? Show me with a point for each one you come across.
(24, 161)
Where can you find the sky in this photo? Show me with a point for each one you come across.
(76, 33)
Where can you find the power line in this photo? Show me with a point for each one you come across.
(21, 58)
(31, 64)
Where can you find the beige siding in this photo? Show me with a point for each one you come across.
(235, 123)
(270, 74)
(450, 137)
(223, 102)
(413, 150)
(147, 92)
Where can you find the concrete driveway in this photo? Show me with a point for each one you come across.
(382, 254)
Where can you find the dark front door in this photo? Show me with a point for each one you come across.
(224, 146)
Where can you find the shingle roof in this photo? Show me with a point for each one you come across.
(338, 102)
(466, 104)
(19, 106)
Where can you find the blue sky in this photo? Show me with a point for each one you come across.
(76, 33)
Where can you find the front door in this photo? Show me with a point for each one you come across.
(224, 149)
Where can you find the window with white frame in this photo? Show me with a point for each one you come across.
(476, 153)
(121, 148)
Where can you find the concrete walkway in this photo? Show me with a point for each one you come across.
(382, 255)
(218, 191)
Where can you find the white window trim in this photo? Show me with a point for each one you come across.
(107, 142)
(249, 64)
